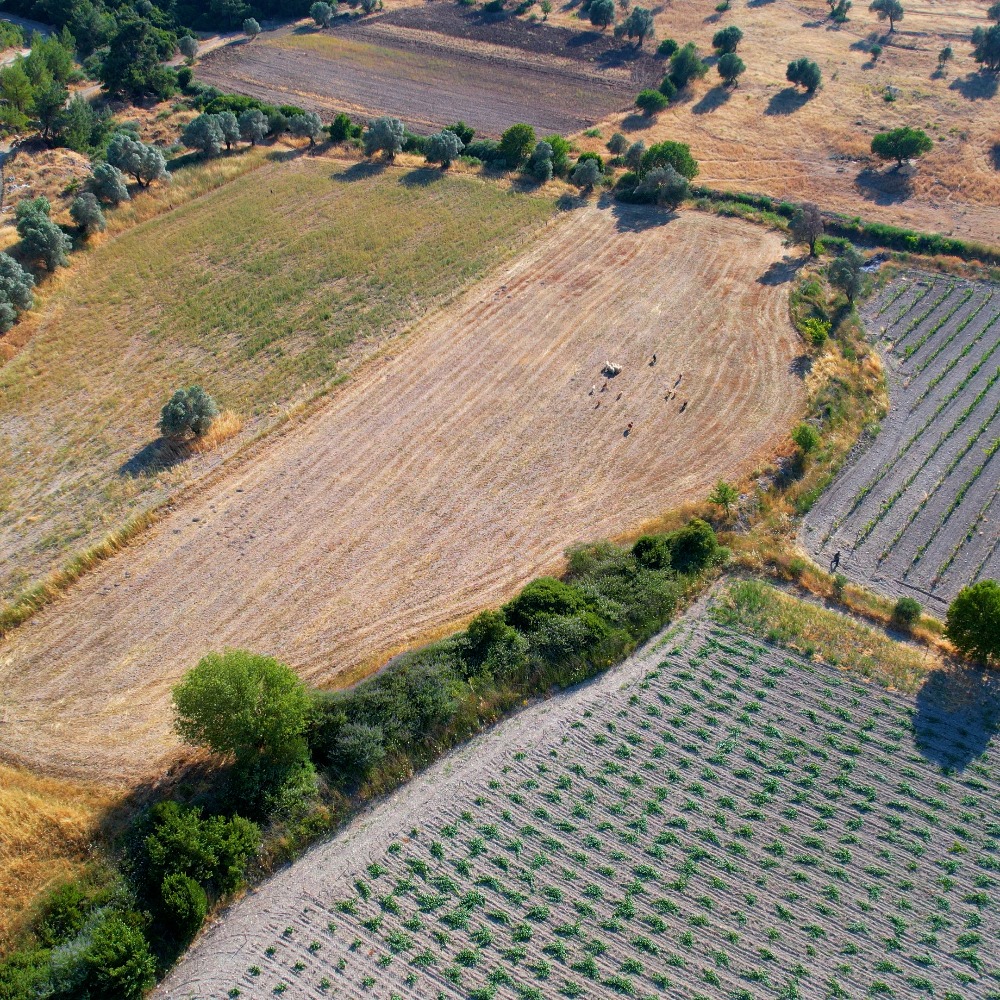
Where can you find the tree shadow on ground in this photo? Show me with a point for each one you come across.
(782, 271)
(634, 123)
(585, 37)
(995, 156)
(157, 456)
(800, 366)
(957, 714)
(758, 3)
(976, 86)
(284, 155)
(421, 177)
(359, 171)
(636, 218)
(888, 188)
(621, 56)
(787, 101)
(712, 100)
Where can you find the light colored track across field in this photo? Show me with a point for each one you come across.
(435, 483)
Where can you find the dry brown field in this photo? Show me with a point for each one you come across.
(436, 482)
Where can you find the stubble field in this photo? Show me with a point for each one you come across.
(716, 818)
(916, 513)
(433, 65)
(435, 483)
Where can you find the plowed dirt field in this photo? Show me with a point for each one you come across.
(433, 484)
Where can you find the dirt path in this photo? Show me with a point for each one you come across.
(434, 484)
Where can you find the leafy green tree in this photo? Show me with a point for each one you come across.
(602, 13)
(188, 411)
(540, 162)
(560, 154)
(973, 621)
(725, 496)
(638, 25)
(133, 66)
(188, 47)
(16, 95)
(693, 547)
(944, 57)
(322, 14)
(986, 47)
(341, 128)
(49, 102)
(41, 238)
(807, 226)
(651, 102)
(686, 65)
(516, 145)
(463, 131)
(663, 186)
(204, 134)
(250, 708)
(145, 163)
(993, 11)
(86, 213)
(251, 28)
(887, 10)
(82, 127)
(184, 903)
(846, 273)
(727, 39)
(901, 144)
(51, 58)
(804, 73)
(307, 126)
(540, 598)
(121, 966)
(807, 438)
(443, 147)
(673, 154)
(252, 125)
(108, 183)
(15, 291)
(731, 67)
(667, 48)
(586, 174)
(384, 135)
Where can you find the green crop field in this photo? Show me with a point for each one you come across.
(257, 290)
(734, 821)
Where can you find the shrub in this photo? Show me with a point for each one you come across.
(667, 48)
(731, 67)
(516, 145)
(250, 708)
(670, 154)
(901, 144)
(108, 183)
(686, 65)
(560, 154)
(188, 47)
(463, 131)
(188, 411)
(724, 495)
(653, 552)
(544, 596)
(973, 621)
(342, 128)
(64, 915)
(693, 547)
(184, 77)
(184, 904)
(120, 966)
(486, 150)
(443, 147)
(806, 437)
(804, 73)
(727, 39)
(617, 144)
(86, 213)
(667, 88)
(384, 135)
(906, 613)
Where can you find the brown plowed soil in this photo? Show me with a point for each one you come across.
(435, 483)
(434, 65)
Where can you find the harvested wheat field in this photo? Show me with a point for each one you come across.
(435, 483)
(435, 64)
(764, 136)
(716, 817)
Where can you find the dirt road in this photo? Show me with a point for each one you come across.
(433, 484)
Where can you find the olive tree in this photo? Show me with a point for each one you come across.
(727, 39)
(230, 128)
(145, 163)
(986, 47)
(443, 147)
(586, 174)
(807, 226)
(384, 135)
(973, 621)
(15, 291)
(251, 28)
(321, 13)
(617, 144)
(638, 25)
(253, 126)
(540, 162)
(41, 238)
(887, 10)
(663, 186)
(108, 183)
(188, 411)
(846, 273)
(307, 126)
(86, 213)
(188, 47)
(204, 134)
(634, 154)
(731, 67)
(602, 13)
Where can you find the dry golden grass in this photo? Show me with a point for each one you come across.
(758, 138)
(46, 830)
(435, 482)
(33, 171)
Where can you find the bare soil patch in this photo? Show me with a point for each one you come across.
(435, 483)
(716, 811)
(438, 63)
(917, 513)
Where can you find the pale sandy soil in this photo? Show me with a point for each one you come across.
(435, 483)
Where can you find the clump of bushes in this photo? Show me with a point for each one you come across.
(906, 613)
